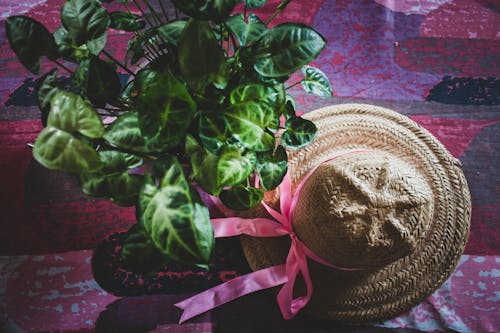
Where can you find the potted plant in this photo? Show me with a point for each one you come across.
(206, 90)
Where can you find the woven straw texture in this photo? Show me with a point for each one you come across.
(393, 202)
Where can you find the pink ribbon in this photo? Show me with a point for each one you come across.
(285, 274)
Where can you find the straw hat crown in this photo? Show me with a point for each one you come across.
(363, 209)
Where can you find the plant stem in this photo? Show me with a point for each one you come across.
(118, 63)
(153, 12)
(279, 9)
(128, 151)
(143, 13)
(245, 13)
(233, 40)
(63, 67)
(164, 12)
(295, 84)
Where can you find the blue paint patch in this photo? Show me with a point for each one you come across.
(466, 91)
(75, 308)
(494, 273)
(52, 271)
(495, 298)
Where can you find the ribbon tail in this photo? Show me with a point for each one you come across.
(296, 263)
(231, 290)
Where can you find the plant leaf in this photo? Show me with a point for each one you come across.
(316, 82)
(247, 122)
(198, 39)
(299, 132)
(212, 132)
(271, 168)
(235, 165)
(204, 166)
(139, 252)
(246, 33)
(269, 98)
(175, 219)
(125, 21)
(30, 40)
(207, 9)
(46, 89)
(286, 48)
(58, 145)
(59, 150)
(172, 31)
(255, 3)
(241, 198)
(125, 133)
(86, 22)
(98, 81)
(165, 106)
(113, 180)
(289, 106)
(70, 113)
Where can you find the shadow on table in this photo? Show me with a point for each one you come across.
(253, 313)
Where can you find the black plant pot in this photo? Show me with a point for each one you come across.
(172, 278)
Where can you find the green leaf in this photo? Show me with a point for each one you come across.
(59, 145)
(199, 39)
(139, 253)
(165, 106)
(316, 82)
(207, 9)
(246, 33)
(113, 180)
(247, 123)
(269, 98)
(125, 21)
(86, 22)
(241, 197)
(212, 132)
(30, 40)
(70, 113)
(172, 31)
(271, 168)
(125, 133)
(175, 219)
(204, 166)
(235, 165)
(67, 49)
(135, 49)
(255, 3)
(289, 106)
(286, 48)
(299, 132)
(59, 150)
(96, 45)
(47, 88)
(98, 81)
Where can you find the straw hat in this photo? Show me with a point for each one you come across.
(392, 202)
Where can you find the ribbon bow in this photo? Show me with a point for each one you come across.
(286, 274)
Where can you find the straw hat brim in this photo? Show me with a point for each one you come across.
(382, 293)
